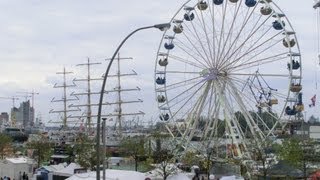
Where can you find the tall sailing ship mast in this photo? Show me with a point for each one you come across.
(88, 93)
(118, 113)
(64, 99)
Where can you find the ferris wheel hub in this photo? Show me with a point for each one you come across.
(212, 74)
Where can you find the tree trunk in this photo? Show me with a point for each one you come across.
(39, 158)
(264, 170)
(164, 173)
(304, 169)
(136, 164)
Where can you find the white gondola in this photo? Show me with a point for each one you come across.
(177, 28)
(273, 102)
(266, 10)
(292, 43)
(202, 5)
(233, 1)
(295, 88)
(263, 1)
(163, 62)
(161, 99)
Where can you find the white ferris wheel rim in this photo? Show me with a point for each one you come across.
(278, 15)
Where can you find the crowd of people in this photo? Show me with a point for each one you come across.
(23, 176)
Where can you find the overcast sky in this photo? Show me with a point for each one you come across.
(40, 37)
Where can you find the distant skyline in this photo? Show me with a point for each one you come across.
(39, 38)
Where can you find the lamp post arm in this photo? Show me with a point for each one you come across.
(102, 93)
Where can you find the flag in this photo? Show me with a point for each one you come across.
(313, 101)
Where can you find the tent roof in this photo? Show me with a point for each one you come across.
(69, 170)
(111, 174)
(17, 160)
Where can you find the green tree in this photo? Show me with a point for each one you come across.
(298, 153)
(163, 154)
(134, 147)
(5, 144)
(189, 158)
(164, 158)
(262, 154)
(208, 163)
(269, 119)
(291, 152)
(85, 152)
(42, 149)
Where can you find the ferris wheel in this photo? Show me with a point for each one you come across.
(226, 69)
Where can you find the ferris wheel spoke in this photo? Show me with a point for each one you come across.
(257, 62)
(250, 121)
(222, 29)
(254, 62)
(204, 27)
(250, 101)
(253, 45)
(184, 104)
(180, 72)
(211, 104)
(184, 92)
(230, 30)
(188, 50)
(180, 59)
(253, 49)
(262, 75)
(205, 57)
(179, 84)
(211, 123)
(214, 37)
(231, 125)
(193, 117)
(246, 20)
(251, 34)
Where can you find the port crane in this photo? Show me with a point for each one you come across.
(12, 115)
(30, 94)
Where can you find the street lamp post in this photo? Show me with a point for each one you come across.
(161, 27)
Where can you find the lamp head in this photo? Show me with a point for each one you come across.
(163, 27)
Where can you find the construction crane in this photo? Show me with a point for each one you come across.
(13, 98)
(12, 116)
(32, 95)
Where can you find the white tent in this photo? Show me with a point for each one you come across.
(67, 171)
(110, 175)
(14, 167)
(231, 178)
(53, 168)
